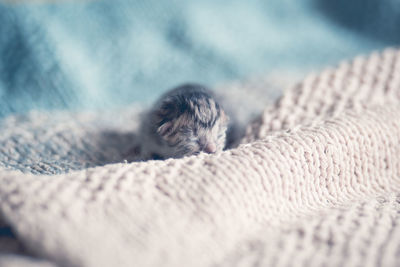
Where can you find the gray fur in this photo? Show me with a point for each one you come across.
(185, 121)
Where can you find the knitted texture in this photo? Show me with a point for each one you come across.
(315, 182)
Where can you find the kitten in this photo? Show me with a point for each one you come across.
(185, 121)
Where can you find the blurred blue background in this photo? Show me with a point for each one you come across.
(106, 54)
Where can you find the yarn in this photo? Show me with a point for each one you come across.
(315, 182)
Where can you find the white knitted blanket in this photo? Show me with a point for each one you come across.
(315, 183)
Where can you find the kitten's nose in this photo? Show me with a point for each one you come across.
(210, 148)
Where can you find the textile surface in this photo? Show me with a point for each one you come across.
(315, 182)
(101, 54)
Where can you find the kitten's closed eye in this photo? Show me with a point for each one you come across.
(165, 129)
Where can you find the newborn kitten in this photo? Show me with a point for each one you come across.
(185, 121)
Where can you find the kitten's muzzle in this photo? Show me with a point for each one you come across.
(210, 148)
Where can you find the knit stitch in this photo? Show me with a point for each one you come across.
(315, 182)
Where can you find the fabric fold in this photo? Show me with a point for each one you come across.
(329, 148)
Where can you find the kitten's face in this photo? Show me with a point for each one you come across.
(187, 138)
(200, 128)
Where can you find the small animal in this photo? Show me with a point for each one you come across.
(185, 121)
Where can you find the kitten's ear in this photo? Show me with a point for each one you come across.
(165, 128)
(166, 112)
(168, 109)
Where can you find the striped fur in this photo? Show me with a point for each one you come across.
(186, 121)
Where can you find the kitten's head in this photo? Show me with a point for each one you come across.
(192, 122)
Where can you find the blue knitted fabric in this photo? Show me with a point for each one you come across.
(103, 54)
